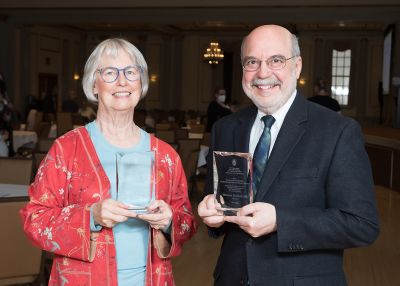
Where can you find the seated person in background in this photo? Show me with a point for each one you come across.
(234, 106)
(7, 120)
(70, 104)
(149, 120)
(87, 112)
(217, 108)
(3, 143)
(323, 98)
(49, 105)
(30, 119)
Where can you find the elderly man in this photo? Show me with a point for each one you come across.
(313, 188)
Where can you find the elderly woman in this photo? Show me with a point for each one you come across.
(75, 209)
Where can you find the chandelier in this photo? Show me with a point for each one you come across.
(213, 54)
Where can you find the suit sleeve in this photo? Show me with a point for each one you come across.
(350, 217)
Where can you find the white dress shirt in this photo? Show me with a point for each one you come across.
(258, 125)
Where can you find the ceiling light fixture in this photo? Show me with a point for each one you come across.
(213, 54)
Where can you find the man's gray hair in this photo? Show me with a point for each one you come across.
(295, 46)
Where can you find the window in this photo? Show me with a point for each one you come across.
(341, 63)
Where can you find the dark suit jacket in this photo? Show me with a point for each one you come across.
(318, 177)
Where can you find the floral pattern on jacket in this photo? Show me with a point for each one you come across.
(57, 218)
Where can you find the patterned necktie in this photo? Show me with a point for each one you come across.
(260, 156)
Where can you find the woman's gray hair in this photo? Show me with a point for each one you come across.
(295, 47)
(111, 47)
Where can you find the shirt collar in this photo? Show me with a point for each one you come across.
(280, 114)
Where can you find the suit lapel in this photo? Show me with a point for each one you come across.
(243, 129)
(289, 135)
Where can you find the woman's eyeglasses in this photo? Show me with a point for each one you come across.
(110, 74)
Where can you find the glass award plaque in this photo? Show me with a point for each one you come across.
(232, 180)
(136, 179)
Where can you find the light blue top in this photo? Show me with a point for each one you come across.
(132, 165)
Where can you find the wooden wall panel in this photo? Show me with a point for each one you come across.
(381, 161)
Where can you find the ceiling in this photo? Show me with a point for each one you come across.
(208, 17)
(187, 3)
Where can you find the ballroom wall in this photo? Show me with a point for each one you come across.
(179, 77)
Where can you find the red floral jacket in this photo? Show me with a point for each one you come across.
(57, 218)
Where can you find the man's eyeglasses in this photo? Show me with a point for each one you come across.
(110, 74)
(274, 63)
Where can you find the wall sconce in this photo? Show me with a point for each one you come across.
(76, 76)
(153, 78)
(302, 81)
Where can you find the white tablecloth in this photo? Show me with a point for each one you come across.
(13, 191)
(53, 131)
(202, 155)
(21, 137)
(195, 135)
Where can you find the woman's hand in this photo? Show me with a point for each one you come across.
(109, 212)
(159, 216)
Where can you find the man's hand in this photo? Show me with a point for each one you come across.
(256, 219)
(208, 212)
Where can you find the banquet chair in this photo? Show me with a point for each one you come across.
(16, 171)
(197, 128)
(196, 131)
(174, 125)
(160, 115)
(190, 167)
(206, 140)
(139, 117)
(44, 144)
(191, 122)
(44, 130)
(38, 158)
(30, 119)
(64, 123)
(163, 126)
(166, 135)
(34, 121)
(77, 119)
(181, 134)
(20, 261)
(189, 151)
(186, 148)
